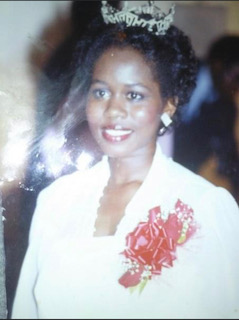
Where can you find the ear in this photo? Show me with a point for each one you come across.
(170, 106)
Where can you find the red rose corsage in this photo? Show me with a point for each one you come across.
(152, 245)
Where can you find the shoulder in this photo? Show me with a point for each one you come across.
(197, 190)
(186, 177)
(67, 190)
(72, 184)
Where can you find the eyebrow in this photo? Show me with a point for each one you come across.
(130, 85)
(98, 81)
(138, 84)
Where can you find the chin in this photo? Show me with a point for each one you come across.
(115, 152)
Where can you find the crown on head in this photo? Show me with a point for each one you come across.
(158, 22)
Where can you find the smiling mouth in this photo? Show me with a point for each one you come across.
(116, 134)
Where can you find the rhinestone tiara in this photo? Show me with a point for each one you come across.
(158, 22)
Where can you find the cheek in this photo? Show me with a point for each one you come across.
(147, 115)
(93, 113)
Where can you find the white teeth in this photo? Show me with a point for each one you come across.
(116, 133)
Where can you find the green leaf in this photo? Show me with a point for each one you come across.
(139, 287)
(142, 284)
(181, 239)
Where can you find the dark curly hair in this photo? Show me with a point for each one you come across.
(171, 57)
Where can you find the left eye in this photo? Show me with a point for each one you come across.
(134, 96)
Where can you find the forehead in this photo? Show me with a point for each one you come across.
(126, 57)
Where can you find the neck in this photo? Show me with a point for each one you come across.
(131, 169)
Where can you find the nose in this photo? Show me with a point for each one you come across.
(116, 108)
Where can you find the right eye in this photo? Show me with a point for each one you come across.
(100, 93)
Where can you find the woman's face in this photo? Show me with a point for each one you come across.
(124, 104)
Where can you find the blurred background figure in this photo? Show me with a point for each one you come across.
(207, 142)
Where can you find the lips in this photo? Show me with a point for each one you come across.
(116, 133)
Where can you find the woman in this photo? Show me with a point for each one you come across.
(136, 235)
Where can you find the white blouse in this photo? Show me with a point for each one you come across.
(69, 273)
